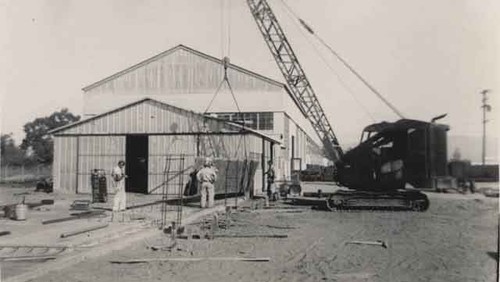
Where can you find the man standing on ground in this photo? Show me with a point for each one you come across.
(206, 179)
(118, 174)
(270, 181)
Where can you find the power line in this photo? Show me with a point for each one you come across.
(325, 61)
(344, 62)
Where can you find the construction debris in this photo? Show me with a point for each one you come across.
(74, 216)
(30, 252)
(27, 258)
(164, 248)
(190, 259)
(84, 230)
(41, 203)
(251, 235)
(376, 243)
(280, 227)
(278, 211)
(283, 208)
(81, 205)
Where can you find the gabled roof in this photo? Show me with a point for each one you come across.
(190, 50)
(237, 127)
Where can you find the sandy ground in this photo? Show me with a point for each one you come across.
(455, 240)
(31, 231)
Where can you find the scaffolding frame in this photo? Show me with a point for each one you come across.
(173, 179)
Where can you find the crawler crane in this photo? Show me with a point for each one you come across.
(390, 155)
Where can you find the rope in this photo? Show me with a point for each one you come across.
(344, 62)
(229, 29)
(222, 30)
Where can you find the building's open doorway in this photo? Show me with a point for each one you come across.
(137, 164)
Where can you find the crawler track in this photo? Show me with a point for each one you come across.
(397, 200)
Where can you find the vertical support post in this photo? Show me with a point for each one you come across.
(77, 163)
(292, 168)
(271, 150)
(486, 107)
(198, 145)
(263, 165)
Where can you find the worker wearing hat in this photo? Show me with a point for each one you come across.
(206, 178)
(271, 188)
(118, 174)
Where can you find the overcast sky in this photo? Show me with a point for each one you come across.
(427, 57)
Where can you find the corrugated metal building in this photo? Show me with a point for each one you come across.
(145, 134)
(187, 78)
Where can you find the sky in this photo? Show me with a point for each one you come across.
(427, 57)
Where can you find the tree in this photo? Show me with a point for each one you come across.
(10, 153)
(37, 137)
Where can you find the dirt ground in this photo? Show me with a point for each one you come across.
(455, 240)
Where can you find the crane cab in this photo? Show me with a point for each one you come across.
(393, 154)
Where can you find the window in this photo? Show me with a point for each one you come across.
(261, 121)
(266, 121)
(246, 119)
(224, 116)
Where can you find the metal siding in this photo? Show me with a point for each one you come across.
(162, 147)
(64, 169)
(98, 152)
(180, 72)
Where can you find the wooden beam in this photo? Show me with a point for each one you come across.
(74, 217)
(84, 230)
(251, 236)
(26, 258)
(190, 259)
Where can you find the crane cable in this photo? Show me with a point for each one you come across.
(226, 51)
(225, 48)
(344, 62)
(332, 69)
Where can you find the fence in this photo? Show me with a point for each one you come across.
(10, 173)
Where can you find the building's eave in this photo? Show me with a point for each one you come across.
(241, 127)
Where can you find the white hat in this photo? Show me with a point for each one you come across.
(208, 161)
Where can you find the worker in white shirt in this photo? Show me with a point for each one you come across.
(118, 175)
(206, 179)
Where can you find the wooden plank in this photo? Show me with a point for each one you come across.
(27, 258)
(251, 235)
(84, 230)
(191, 259)
(74, 217)
(280, 227)
(375, 243)
(36, 246)
(3, 233)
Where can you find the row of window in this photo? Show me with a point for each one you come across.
(260, 120)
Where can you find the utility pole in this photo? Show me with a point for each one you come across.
(486, 108)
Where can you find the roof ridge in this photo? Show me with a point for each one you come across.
(172, 50)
